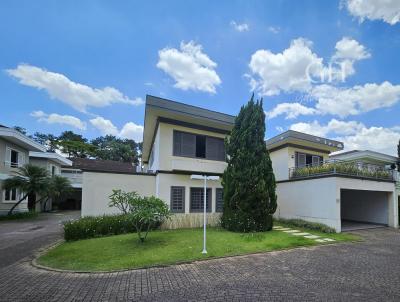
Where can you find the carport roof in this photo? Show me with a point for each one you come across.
(97, 165)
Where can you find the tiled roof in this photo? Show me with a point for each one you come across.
(99, 165)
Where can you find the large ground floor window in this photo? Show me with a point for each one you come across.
(197, 199)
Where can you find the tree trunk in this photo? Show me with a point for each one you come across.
(14, 206)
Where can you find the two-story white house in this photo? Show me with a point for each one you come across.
(14, 153)
(180, 140)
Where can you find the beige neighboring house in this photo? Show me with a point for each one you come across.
(14, 153)
(52, 162)
(180, 140)
(339, 191)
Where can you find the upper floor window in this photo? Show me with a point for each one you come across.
(14, 159)
(198, 146)
(304, 159)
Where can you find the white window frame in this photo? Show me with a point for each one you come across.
(17, 196)
(20, 155)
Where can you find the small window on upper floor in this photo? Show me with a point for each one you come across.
(14, 159)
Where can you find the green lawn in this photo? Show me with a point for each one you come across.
(168, 247)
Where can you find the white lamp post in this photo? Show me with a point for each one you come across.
(205, 178)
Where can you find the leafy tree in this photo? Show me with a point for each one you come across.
(30, 179)
(146, 212)
(76, 149)
(248, 181)
(72, 136)
(20, 129)
(110, 147)
(121, 200)
(48, 140)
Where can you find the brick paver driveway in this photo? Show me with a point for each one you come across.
(366, 271)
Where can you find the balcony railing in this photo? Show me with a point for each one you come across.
(340, 167)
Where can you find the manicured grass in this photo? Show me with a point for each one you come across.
(168, 247)
(17, 216)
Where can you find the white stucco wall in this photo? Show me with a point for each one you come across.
(312, 200)
(319, 199)
(165, 181)
(168, 162)
(97, 187)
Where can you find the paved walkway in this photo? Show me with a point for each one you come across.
(19, 238)
(369, 270)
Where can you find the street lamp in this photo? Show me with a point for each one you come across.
(205, 178)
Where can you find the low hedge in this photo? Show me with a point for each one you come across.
(19, 215)
(90, 227)
(298, 223)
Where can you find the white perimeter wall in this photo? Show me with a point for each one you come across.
(97, 187)
(319, 199)
(312, 200)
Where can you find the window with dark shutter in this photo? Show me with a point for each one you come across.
(177, 200)
(198, 146)
(197, 200)
(219, 206)
(215, 148)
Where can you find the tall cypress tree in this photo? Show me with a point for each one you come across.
(248, 181)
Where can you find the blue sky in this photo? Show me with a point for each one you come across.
(58, 58)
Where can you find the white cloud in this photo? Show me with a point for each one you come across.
(355, 100)
(386, 10)
(348, 51)
(190, 67)
(355, 135)
(298, 68)
(55, 118)
(240, 27)
(274, 29)
(291, 110)
(104, 126)
(130, 130)
(285, 71)
(76, 95)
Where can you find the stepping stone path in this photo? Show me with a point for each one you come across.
(305, 235)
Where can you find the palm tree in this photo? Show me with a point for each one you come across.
(57, 186)
(29, 179)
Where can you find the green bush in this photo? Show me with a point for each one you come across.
(90, 227)
(20, 215)
(299, 223)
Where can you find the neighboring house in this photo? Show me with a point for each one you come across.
(14, 153)
(313, 186)
(52, 162)
(180, 140)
